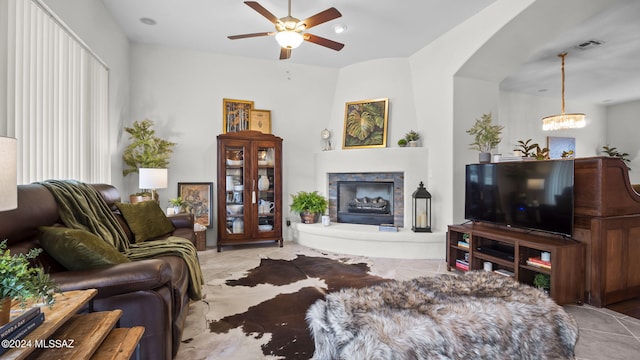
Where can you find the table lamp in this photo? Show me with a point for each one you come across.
(8, 174)
(153, 179)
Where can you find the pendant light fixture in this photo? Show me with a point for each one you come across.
(563, 121)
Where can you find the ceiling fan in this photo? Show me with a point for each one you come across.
(290, 31)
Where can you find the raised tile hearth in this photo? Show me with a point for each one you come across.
(366, 240)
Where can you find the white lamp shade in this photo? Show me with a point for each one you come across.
(153, 178)
(8, 174)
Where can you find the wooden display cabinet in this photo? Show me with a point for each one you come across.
(509, 249)
(249, 188)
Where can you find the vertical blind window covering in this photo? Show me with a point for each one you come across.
(56, 98)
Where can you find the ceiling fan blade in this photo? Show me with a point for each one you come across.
(285, 53)
(321, 17)
(264, 12)
(244, 36)
(323, 42)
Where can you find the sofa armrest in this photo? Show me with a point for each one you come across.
(182, 220)
(117, 279)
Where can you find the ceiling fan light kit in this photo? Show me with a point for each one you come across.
(563, 121)
(289, 39)
(290, 31)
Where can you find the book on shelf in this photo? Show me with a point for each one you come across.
(504, 272)
(463, 244)
(462, 265)
(19, 317)
(388, 227)
(538, 262)
(24, 330)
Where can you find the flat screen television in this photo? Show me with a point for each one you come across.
(535, 195)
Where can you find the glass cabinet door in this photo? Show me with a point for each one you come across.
(266, 196)
(236, 203)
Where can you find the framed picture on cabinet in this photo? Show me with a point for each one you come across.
(365, 124)
(199, 200)
(260, 120)
(560, 147)
(235, 115)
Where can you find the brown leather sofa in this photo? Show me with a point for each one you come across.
(152, 293)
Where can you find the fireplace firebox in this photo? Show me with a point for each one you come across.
(365, 202)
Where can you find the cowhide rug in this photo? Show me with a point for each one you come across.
(281, 291)
(479, 315)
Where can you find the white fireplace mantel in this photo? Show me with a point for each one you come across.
(412, 161)
(367, 240)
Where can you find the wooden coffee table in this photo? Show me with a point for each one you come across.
(68, 335)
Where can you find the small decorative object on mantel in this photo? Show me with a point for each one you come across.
(486, 137)
(412, 138)
(326, 137)
(421, 219)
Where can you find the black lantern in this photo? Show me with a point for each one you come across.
(421, 219)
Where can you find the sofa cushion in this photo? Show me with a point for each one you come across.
(78, 249)
(146, 220)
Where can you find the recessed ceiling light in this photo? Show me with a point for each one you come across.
(147, 21)
(339, 28)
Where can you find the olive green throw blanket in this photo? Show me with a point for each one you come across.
(82, 207)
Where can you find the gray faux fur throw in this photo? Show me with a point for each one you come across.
(479, 315)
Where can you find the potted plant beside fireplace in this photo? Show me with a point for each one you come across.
(310, 205)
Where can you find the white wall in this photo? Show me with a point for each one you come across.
(623, 128)
(182, 92)
(91, 21)
(384, 78)
(433, 69)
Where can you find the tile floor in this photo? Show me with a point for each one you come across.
(604, 334)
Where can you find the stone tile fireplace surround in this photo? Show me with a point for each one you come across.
(409, 165)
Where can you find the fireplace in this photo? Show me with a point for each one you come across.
(365, 202)
(367, 198)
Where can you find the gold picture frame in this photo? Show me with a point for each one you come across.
(235, 115)
(260, 120)
(365, 124)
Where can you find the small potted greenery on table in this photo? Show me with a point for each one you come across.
(178, 204)
(310, 205)
(22, 282)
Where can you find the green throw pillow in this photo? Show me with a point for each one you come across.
(146, 220)
(77, 249)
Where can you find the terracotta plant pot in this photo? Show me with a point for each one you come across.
(309, 218)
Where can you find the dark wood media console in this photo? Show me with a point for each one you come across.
(509, 249)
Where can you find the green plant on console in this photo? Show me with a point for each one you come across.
(541, 154)
(22, 282)
(145, 150)
(612, 151)
(542, 281)
(525, 148)
(486, 136)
